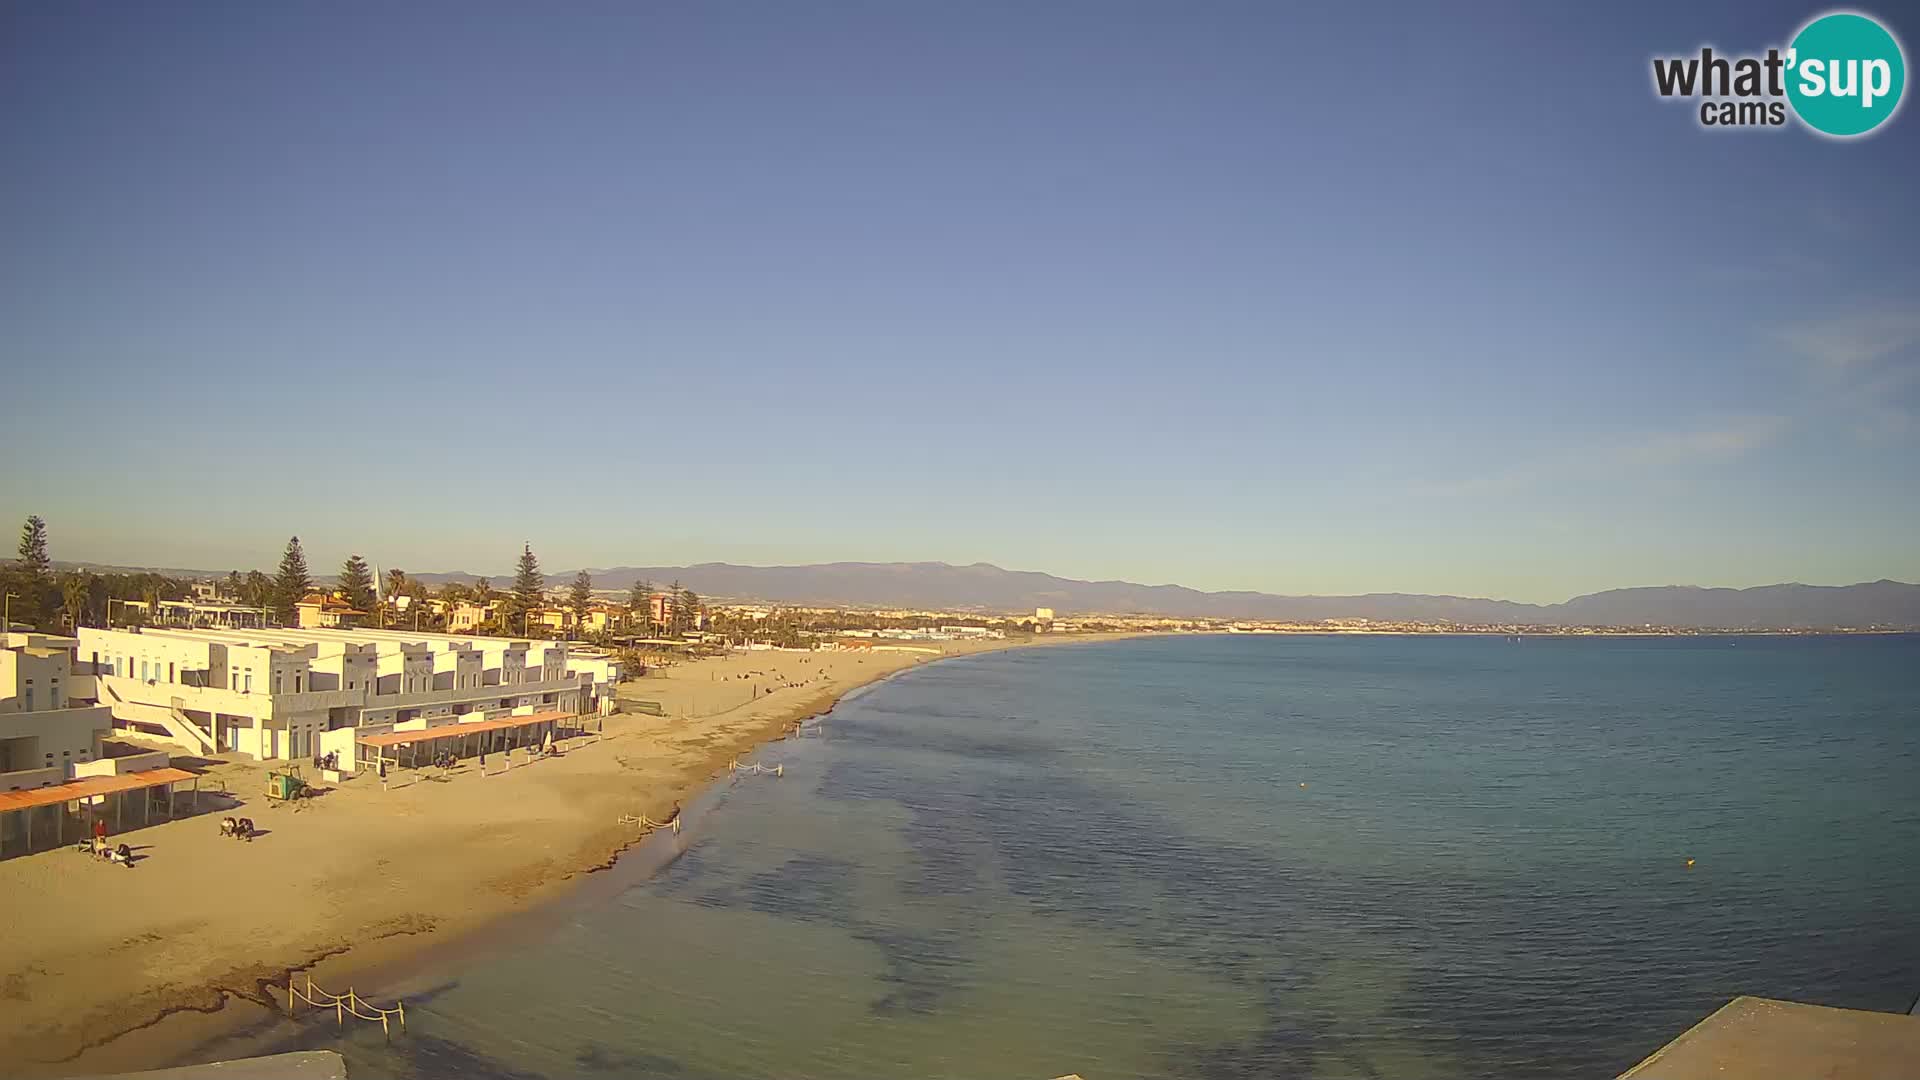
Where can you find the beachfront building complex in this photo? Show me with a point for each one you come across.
(50, 731)
(277, 693)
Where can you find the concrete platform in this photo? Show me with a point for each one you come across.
(1753, 1038)
(299, 1065)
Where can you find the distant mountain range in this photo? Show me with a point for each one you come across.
(988, 588)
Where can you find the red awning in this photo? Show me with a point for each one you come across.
(89, 786)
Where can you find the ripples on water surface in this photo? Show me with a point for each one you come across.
(1102, 859)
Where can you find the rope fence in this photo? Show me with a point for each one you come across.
(345, 1005)
(645, 822)
(737, 767)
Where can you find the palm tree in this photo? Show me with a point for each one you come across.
(74, 593)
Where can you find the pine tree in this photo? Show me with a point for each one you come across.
(356, 584)
(676, 608)
(32, 578)
(233, 584)
(529, 589)
(640, 602)
(690, 603)
(292, 584)
(579, 596)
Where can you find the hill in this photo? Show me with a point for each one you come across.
(988, 588)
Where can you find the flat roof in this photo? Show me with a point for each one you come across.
(1762, 1039)
(89, 786)
(447, 731)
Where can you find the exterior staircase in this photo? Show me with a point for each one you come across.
(173, 720)
(201, 739)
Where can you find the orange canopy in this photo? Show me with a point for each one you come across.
(88, 786)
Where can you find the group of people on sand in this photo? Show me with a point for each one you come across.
(121, 854)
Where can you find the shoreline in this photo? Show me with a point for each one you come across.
(87, 1026)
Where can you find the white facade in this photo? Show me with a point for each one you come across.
(274, 693)
(44, 737)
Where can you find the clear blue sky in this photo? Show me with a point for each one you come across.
(1301, 298)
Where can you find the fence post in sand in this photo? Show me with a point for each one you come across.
(401, 1008)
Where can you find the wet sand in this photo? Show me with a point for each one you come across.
(204, 932)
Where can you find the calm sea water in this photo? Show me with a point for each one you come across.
(1245, 857)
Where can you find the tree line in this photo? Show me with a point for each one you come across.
(38, 597)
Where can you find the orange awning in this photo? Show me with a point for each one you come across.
(90, 786)
(451, 731)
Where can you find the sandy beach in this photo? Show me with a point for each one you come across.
(202, 930)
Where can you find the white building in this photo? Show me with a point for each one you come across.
(276, 693)
(209, 613)
(45, 738)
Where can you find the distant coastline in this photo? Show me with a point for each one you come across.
(982, 590)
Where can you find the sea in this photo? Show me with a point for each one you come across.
(1236, 856)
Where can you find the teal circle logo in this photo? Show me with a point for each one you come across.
(1845, 74)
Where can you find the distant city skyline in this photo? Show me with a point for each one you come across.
(1156, 293)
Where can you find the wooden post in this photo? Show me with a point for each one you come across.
(401, 1008)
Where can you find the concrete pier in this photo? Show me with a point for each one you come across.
(1753, 1038)
(300, 1065)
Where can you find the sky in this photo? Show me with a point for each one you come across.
(1298, 298)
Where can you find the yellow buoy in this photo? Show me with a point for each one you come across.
(1303, 783)
(1689, 862)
